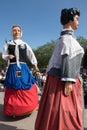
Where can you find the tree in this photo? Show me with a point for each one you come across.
(82, 41)
(44, 53)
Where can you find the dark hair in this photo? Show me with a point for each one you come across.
(68, 14)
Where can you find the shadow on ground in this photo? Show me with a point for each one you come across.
(10, 118)
(8, 127)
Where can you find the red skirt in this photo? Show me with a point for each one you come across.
(57, 111)
(20, 102)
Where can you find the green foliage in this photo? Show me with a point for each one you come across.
(44, 53)
(82, 41)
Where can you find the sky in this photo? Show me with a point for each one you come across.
(39, 19)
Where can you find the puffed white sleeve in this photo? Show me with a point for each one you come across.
(31, 55)
(5, 52)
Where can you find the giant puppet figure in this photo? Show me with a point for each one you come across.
(61, 102)
(20, 86)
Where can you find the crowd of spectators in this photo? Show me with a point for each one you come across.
(2, 78)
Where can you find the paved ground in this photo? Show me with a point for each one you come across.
(24, 123)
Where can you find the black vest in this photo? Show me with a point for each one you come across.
(22, 52)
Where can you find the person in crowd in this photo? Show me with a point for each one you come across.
(2, 78)
(84, 77)
(21, 96)
(61, 102)
(85, 63)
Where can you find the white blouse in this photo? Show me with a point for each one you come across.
(29, 52)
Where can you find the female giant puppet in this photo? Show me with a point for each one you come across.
(61, 102)
(20, 89)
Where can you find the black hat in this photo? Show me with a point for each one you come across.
(68, 14)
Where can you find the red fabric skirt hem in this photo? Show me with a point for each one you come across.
(19, 102)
